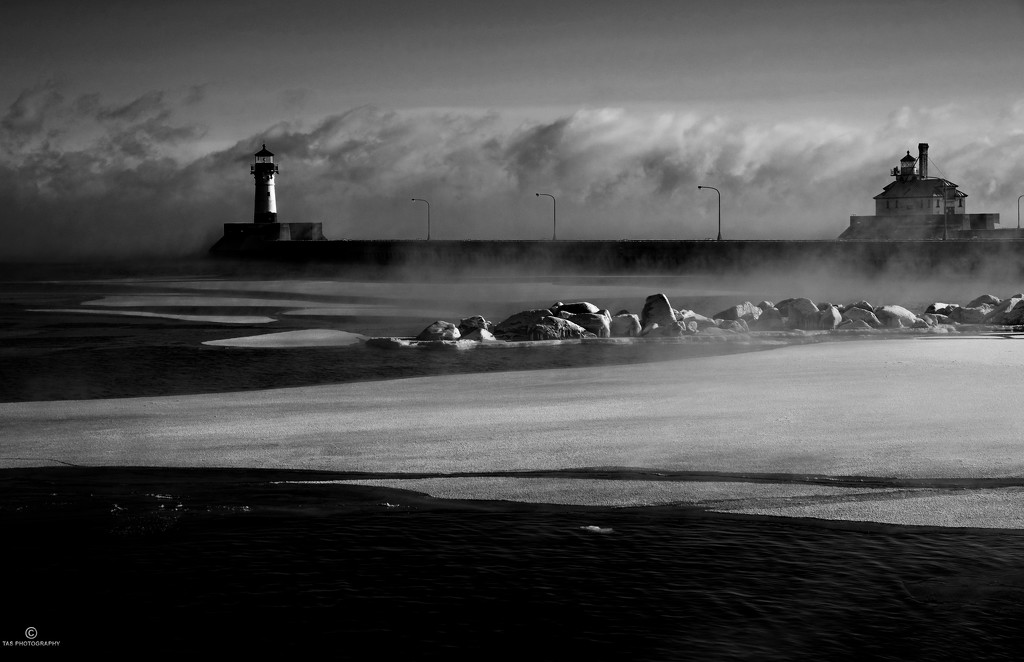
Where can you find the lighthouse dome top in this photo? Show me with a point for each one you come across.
(264, 151)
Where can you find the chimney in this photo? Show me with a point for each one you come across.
(922, 159)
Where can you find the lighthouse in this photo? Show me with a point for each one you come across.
(264, 172)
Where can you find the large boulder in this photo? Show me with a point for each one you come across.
(863, 305)
(829, 318)
(736, 326)
(577, 308)
(480, 335)
(856, 313)
(468, 324)
(895, 317)
(770, 320)
(625, 325)
(940, 308)
(984, 300)
(745, 310)
(596, 323)
(687, 316)
(1003, 312)
(854, 325)
(518, 325)
(802, 313)
(440, 330)
(555, 328)
(657, 310)
(765, 305)
(934, 319)
(971, 314)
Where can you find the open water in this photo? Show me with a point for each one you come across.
(242, 562)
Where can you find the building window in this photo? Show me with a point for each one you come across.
(960, 203)
(886, 204)
(936, 203)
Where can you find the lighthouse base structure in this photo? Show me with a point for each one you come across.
(247, 236)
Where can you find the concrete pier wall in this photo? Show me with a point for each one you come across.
(863, 257)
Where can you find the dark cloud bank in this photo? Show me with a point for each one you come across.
(85, 177)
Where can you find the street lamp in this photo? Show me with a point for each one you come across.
(554, 215)
(428, 215)
(1018, 209)
(719, 208)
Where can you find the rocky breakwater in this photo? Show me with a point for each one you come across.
(794, 319)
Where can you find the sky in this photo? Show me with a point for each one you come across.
(127, 128)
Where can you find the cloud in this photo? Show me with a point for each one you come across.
(95, 177)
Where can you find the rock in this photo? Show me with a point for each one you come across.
(983, 300)
(970, 315)
(895, 317)
(687, 316)
(736, 326)
(1015, 316)
(577, 308)
(802, 313)
(657, 310)
(783, 306)
(692, 326)
(440, 330)
(468, 324)
(596, 323)
(670, 330)
(854, 325)
(940, 308)
(863, 305)
(770, 320)
(745, 310)
(934, 319)
(829, 318)
(555, 328)
(920, 324)
(518, 325)
(480, 335)
(1003, 312)
(625, 325)
(765, 305)
(856, 313)
(825, 306)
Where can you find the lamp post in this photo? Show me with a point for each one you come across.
(1018, 209)
(428, 214)
(719, 208)
(554, 215)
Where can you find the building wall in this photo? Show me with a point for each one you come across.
(915, 206)
(920, 226)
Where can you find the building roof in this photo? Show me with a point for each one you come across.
(908, 157)
(931, 187)
(264, 151)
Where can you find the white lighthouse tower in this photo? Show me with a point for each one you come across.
(265, 232)
(264, 171)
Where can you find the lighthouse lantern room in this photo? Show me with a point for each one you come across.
(264, 172)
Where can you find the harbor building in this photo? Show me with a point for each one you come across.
(917, 206)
